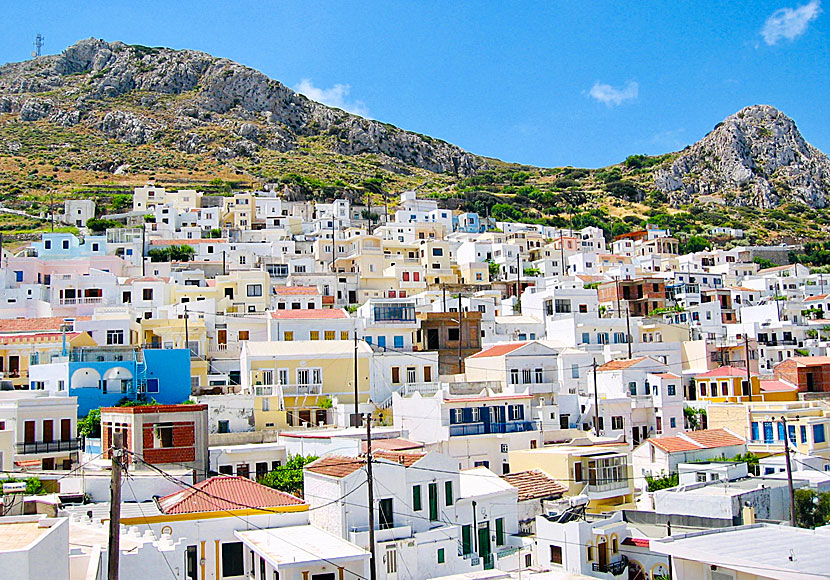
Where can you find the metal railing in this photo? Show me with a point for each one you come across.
(615, 568)
(82, 300)
(486, 428)
(47, 446)
(271, 390)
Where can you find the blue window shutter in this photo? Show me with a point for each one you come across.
(467, 415)
(780, 431)
(755, 430)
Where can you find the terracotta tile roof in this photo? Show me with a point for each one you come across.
(393, 444)
(695, 440)
(405, 458)
(35, 324)
(775, 269)
(640, 542)
(534, 484)
(309, 313)
(335, 466)
(819, 297)
(722, 372)
(499, 350)
(667, 375)
(147, 279)
(742, 289)
(811, 360)
(617, 365)
(777, 387)
(225, 493)
(296, 290)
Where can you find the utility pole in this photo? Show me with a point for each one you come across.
(789, 470)
(777, 302)
(596, 400)
(223, 263)
(561, 253)
(114, 546)
(370, 481)
(748, 374)
(628, 329)
(617, 293)
(356, 419)
(51, 197)
(186, 333)
(444, 291)
(143, 247)
(518, 275)
(1, 250)
(460, 330)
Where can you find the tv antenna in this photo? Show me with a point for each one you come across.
(39, 40)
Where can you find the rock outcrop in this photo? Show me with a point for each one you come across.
(755, 157)
(138, 94)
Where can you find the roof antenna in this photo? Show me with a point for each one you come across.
(39, 41)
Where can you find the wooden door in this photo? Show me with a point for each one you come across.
(48, 427)
(29, 432)
(66, 429)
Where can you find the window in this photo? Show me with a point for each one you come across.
(448, 492)
(397, 341)
(314, 335)
(539, 375)
(147, 294)
(556, 555)
(453, 334)
(416, 495)
(18, 275)
(671, 390)
(254, 289)
(500, 531)
(163, 435)
(590, 553)
(232, 562)
(437, 251)
(632, 388)
(224, 427)
(466, 539)
(115, 337)
(818, 433)
(396, 375)
(504, 448)
(616, 422)
(525, 376)
(440, 555)
(329, 335)
(382, 341)
(514, 376)
(515, 412)
(288, 335)
(65, 244)
(344, 335)
(562, 306)
(673, 422)
(803, 430)
(586, 338)
(243, 335)
(574, 371)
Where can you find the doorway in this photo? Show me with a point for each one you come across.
(602, 556)
(484, 549)
(432, 339)
(386, 515)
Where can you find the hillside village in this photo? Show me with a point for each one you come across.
(317, 391)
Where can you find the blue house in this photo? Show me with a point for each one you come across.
(102, 377)
(469, 223)
(63, 246)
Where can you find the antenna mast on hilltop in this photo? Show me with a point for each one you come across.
(39, 40)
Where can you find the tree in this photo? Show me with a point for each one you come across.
(812, 508)
(99, 226)
(532, 272)
(662, 481)
(183, 253)
(494, 269)
(693, 417)
(90, 426)
(288, 477)
(694, 244)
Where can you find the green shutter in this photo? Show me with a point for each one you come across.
(500, 531)
(466, 539)
(440, 555)
(448, 491)
(416, 498)
(433, 502)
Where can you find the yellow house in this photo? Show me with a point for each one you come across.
(601, 471)
(763, 425)
(238, 211)
(296, 383)
(26, 339)
(729, 385)
(246, 290)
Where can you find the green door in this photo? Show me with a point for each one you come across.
(433, 502)
(484, 546)
(466, 540)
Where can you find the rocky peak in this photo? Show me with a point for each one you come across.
(755, 157)
(123, 91)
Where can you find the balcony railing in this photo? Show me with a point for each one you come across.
(82, 300)
(47, 446)
(272, 390)
(615, 568)
(606, 486)
(485, 428)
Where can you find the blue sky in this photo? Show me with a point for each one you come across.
(545, 83)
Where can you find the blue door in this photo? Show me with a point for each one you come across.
(768, 432)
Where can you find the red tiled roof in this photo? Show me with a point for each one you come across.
(617, 365)
(147, 279)
(819, 297)
(640, 542)
(694, 440)
(667, 375)
(742, 289)
(534, 484)
(405, 458)
(393, 444)
(777, 386)
(309, 313)
(811, 360)
(335, 466)
(722, 372)
(225, 493)
(499, 350)
(35, 324)
(295, 290)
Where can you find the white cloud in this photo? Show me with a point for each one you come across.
(612, 95)
(336, 96)
(789, 23)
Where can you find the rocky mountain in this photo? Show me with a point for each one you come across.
(200, 104)
(755, 157)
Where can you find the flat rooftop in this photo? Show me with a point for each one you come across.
(19, 535)
(721, 487)
(299, 545)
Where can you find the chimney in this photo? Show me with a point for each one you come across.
(748, 514)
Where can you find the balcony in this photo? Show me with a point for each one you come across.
(486, 428)
(615, 568)
(607, 486)
(397, 531)
(641, 401)
(87, 300)
(287, 390)
(423, 388)
(35, 447)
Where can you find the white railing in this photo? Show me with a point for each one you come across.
(272, 390)
(423, 388)
(88, 300)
